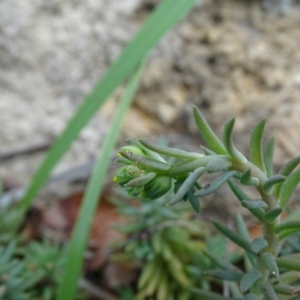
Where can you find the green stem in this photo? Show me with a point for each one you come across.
(268, 228)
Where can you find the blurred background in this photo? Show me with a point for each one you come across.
(229, 58)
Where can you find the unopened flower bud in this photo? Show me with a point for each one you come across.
(157, 187)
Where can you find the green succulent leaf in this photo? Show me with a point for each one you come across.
(286, 170)
(288, 225)
(271, 215)
(268, 156)
(141, 181)
(207, 133)
(288, 263)
(215, 184)
(208, 151)
(256, 148)
(270, 262)
(268, 291)
(255, 203)
(228, 143)
(242, 228)
(249, 279)
(243, 231)
(258, 244)
(288, 187)
(224, 275)
(285, 289)
(289, 277)
(204, 295)
(246, 179)
(271, 182)
(188, 184)
(222, 263)
(194, 201)
(218, 164)
(237, 239)
(169, 151)
(286, 233)
(241, 195)
(143, 161)
(145, 150)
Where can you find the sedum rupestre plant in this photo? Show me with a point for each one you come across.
(166, 243)
(268, 276)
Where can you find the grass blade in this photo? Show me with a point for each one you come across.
(90, 200)
(163, 18)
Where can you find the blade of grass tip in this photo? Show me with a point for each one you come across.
(161, 20)
(90, 201)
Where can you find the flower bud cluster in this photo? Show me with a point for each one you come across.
(139, 180)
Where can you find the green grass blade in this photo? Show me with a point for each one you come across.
(163, 18)
(68, 285)
(256, 148)
(207, 133)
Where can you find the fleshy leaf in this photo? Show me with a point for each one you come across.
(188, 184)
(224, 275)
(243, 231)
(222, 263)
(289, 277)
(237, 239)
(249, 279)
(288, 188)
(288, 263)
(270, 262)
(268, 291)
(285, 289)
(271, 215)
(286, 170)
(218, 164)
(169, 151)
(246, 179)
(268, 156)
(208, 151)
(256, 148)
(194, 201)
(140, 181)
(271, 182)
(241, 195)
(258, 244)
(284, 234)
(215, 184)
(148, 152)
(255, 203)
(145, 162)
(288, 225)
(207, 133)
(228, 143)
